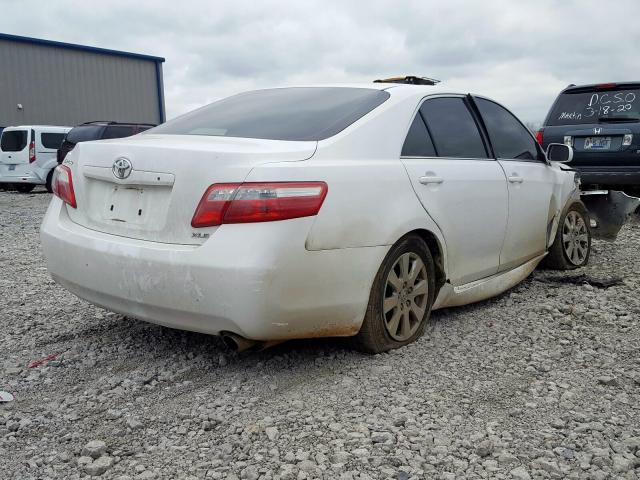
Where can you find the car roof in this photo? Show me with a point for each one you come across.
(37, 127)
(105, 123)
(606, 85)
(396, 89)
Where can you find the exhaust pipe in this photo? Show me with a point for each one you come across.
(236, 342)
(240, 344)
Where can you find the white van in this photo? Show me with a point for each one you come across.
(28, 155)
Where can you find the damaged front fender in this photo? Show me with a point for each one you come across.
(610, 210)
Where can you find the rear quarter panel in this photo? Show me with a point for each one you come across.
(369, 203)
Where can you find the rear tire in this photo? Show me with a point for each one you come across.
(400, 302)
(572, 246)
(49, 184)
(24, 187)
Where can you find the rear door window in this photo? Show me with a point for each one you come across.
(14, 140)
(418, 142)
(592, 106)
(117, 131)
(51, 141)
(510, 139)
(453, 128)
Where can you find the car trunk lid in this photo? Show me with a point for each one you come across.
(148, 187)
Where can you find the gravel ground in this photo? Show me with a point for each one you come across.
(542, 382)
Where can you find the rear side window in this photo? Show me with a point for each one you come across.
(509, 137)
(84, 133)
(52, 140)
(591, 106)
(418, 142)
(298, 113)
(117, 131)
(14, 140)
(453, 129)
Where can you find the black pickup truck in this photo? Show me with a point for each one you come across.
(602, 124)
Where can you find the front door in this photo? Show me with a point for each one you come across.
(530, 182)
(461, 188)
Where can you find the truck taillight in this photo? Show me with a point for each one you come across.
(540, 136)
(62, 184)
(32, 152)
(258, 202)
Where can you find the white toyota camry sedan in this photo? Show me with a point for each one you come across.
(314, 211)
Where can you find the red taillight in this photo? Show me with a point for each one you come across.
(32, 152)
(606, 86)
(258, 202)
(62, 184)
(540, 136)
(213, 204)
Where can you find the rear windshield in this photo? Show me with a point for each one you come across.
(117, 131)
(300, 113)
(84, 133)
(13, 141)
(574, 108)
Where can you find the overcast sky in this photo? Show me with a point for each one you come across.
(520, 53)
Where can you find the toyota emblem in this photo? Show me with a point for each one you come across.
(122, 168)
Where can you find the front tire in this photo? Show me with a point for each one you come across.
(572, 246)
(24, 187)
(400, 302)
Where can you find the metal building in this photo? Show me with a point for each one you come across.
(53, 83)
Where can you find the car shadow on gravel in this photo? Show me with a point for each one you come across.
(36, 191)
(144, 339)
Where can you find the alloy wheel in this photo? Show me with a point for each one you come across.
(405, 297)
(575, 238)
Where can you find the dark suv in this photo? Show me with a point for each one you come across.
(98, 131)
(602, 124)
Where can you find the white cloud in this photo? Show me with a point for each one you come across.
(520, 53)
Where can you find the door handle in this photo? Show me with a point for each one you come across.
(428, 179)
(515, 179)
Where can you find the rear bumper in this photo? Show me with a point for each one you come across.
(609, 176)
(256, 280)
(23, 173)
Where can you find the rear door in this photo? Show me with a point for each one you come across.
(531, 183)
(460, 186)
(47, 145)
(14, 146)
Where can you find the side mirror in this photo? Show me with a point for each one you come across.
(559, 152)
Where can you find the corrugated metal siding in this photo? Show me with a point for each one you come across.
(58, 86)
